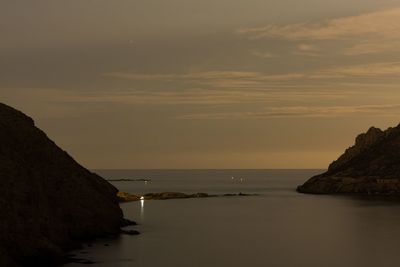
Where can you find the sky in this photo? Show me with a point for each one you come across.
(202, 84)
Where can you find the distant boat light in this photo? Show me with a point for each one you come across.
(141, 198)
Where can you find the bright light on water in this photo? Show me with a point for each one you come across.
(141, 207)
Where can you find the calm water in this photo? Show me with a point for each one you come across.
(278, 228)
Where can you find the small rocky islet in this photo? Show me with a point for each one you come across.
(370, 167)
(127, 197)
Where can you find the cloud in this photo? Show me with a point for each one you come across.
(301, 112)
(305, 49)
(201, 76)
(372, 47)
(198, 96)
(383, 69)
(210, 104)
(263, 54)
(217, 79)
(141, 76)
(363, 30)
(259, 80)
(381, 23)
(66, 100)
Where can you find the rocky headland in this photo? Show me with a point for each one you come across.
(370, 167)
(49, 203)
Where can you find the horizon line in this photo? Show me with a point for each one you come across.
(176, 169)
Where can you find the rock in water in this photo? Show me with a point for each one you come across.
(371, 166)
(48, 201)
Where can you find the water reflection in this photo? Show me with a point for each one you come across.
(141, 208)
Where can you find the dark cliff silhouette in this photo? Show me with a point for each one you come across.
(371, 166)
(48, 202)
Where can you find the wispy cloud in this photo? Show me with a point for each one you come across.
(189, 96)
(383, 69)
(373, 47)
(219, 79)
(363, 30)
(211, 104)
(305, 49)
(301, 112)
(203, 75)
(262, 54)
(258, 80)
(198, 96)
(384, 23)
(142, 76)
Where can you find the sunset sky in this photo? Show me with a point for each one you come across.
(202, 84)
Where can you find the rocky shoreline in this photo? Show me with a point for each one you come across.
(370, 167)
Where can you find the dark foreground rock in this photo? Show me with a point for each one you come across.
(370, 167)
(126, 197)
(48, 202)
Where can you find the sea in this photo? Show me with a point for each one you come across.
(277, 227)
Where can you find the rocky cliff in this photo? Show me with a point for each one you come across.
(371, 166)
(48, 202)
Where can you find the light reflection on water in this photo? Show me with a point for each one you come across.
(278, 228)
(142, 209)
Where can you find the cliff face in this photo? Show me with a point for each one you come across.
(371, 166)
(48, 202)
